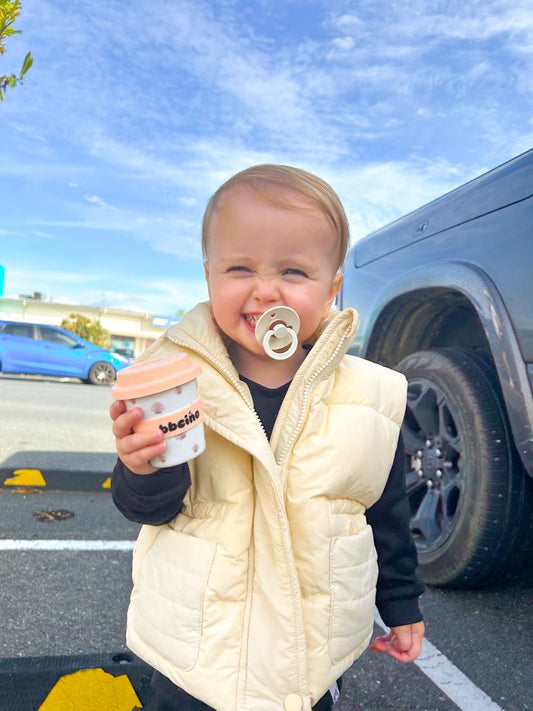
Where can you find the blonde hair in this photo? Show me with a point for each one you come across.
(267, 179)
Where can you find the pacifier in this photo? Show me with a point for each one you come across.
(277, 331)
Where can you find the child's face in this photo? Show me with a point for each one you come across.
(262, 255)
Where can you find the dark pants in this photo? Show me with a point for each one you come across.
(166, 696)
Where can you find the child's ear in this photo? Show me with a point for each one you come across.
(206, 272)
(333, 291)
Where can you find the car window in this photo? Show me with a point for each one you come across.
(50, 334)
(18, 329)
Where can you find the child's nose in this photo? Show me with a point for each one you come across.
(266, 289)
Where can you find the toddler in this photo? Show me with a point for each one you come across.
(256, 573)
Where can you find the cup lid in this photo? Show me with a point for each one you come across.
(154, 375)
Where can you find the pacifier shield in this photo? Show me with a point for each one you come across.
(277, 332)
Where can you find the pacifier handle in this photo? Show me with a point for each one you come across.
(278, 328)
(273, 334)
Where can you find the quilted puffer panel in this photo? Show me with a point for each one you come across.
(169, 604)
(353, 575)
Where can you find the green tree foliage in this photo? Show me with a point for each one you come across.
(82, 326)
(9, 11)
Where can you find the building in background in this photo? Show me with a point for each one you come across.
(131, 332)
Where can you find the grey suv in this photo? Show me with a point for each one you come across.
(445, 295)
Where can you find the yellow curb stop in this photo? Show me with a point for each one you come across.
(26, 477)
(91, 689)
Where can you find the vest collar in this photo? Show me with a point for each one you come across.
(199, 333)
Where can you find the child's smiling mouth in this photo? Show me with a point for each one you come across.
(251, 320)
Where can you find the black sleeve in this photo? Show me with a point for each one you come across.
(398, 587)
(155, 498)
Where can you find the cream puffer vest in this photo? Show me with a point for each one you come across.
(260, 593)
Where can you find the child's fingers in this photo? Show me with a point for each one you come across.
(388, 645)
(139, 460)
(416, 643)
(408, 641)
(140, 441)
(116, 409)
(124, 423)
(403, 644)
(402, 640)
(381, 644)
(135, 449)
(404, 657)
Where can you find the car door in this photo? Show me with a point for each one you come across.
(19, 349)
(61, 354)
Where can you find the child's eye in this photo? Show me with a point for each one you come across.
(238, 268)
(294, 272)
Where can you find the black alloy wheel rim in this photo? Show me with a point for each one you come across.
(435, 464)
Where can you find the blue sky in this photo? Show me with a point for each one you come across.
(134, 112)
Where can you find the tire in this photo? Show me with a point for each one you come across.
(101, 373)
(471, 501)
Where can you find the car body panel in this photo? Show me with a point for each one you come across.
(477, 241)
(503, 186)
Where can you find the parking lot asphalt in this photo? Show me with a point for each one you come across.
(66, 581)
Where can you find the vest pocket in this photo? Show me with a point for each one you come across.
(168, 602)
(353, 573)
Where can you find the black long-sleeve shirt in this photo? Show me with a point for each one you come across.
(157, 498)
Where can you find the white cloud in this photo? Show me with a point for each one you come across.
(251, 89)
(134, 113)
(282, 99)
(162, 296)
(43, 235)
(187, 201)
(349, 22)
(343, 43)
(97, 200)
(168, 233)
(483, 21)
(423, 19)
(180, 294)
(49, 277)
(16, 165)
(157, 296)
(11, 233)
(379, 193)
(413, 38)
(96, 224)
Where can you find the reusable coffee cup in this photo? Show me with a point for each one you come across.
(166, 390)
(277, 331)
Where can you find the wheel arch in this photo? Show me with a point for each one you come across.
(455, 304)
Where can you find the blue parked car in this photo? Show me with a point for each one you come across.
(49, 350)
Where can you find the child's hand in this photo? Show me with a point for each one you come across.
(135, 450)
(403, 643)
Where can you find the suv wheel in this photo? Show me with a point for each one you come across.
(470, 498)
(101, 374)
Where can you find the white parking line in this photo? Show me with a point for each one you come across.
(53, 544)
(450, 680)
